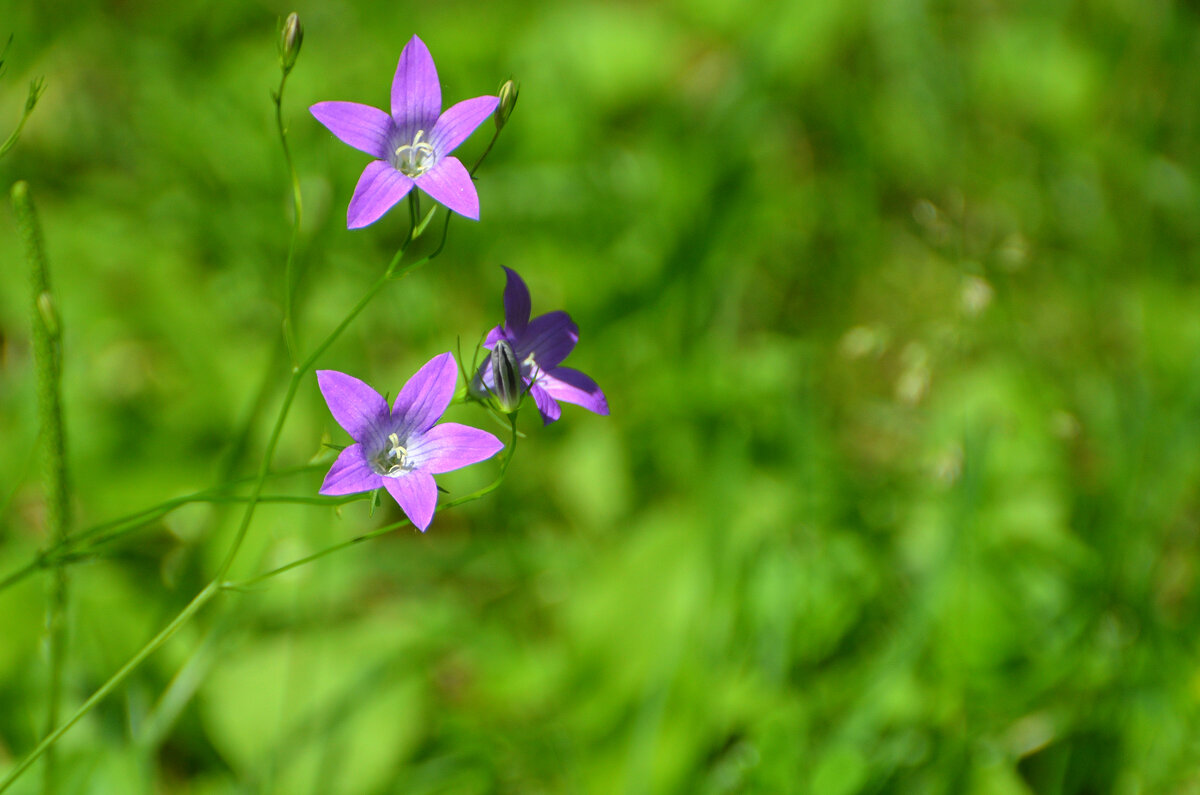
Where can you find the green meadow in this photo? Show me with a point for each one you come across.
(896, 306)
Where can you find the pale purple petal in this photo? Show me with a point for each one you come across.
(350, 474)
(546, 404)
(550, 338)
(449, 183)
(358, 408)
(416, 494)
(516, 303)
(425, 397)
(563, 383)
(365, 128)
(459, 121)
(450, 446)
(416, 92)
(378, 190)
(495, 335)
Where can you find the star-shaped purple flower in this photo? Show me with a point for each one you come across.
(413, 144)
(540, 344)
(402, 448)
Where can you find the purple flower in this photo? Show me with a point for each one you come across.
(413, 144)
(539, 344)
(402, 448)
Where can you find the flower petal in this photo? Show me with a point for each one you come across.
(516, 303)
(563, 383)
(425, 397)
(459, 121)
(378, 190)
(416, 494)
(495, 335)
(416, 92)
(358, 408)
(451, 446)
(365, 128)
(350, 474)
(449, 182)
(549, 337)
(546, 404)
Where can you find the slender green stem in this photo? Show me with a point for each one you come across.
(289, 331)
(486, 151)
(488, 489)
(47, 354)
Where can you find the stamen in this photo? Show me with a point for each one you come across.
(394, 460)
(416, 158)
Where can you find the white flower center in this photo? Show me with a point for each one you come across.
(391, 461)
(416, 158)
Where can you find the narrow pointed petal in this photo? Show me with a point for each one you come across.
(416, 494)
(516, 303)
(450, 446)
(495, 335)
(416, 92)
(459, 121)
(358, 408)
(449, 183)
(378, 190)
(546, 404)
(563, 383)
(425, 397)
(550, 338)
(365, 128)
(350, 474)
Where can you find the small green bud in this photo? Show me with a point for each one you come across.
(291, 36)
(509, 91)
(37, 87)
(506, 372)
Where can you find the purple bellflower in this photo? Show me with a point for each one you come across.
(401, 448)
(412, 145)
(539, 344)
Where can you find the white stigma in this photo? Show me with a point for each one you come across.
(530, 368)
(416, 158)
(392, 461)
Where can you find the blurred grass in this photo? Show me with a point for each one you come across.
(895, 305)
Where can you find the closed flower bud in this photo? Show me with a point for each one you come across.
(508, 100)
(509, 388)
(291, 36)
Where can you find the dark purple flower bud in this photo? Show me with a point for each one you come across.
(508, 100)
(509, 388)
(291, 36)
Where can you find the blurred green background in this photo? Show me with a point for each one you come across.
(896, 307)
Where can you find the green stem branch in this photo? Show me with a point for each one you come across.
(289, 331)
